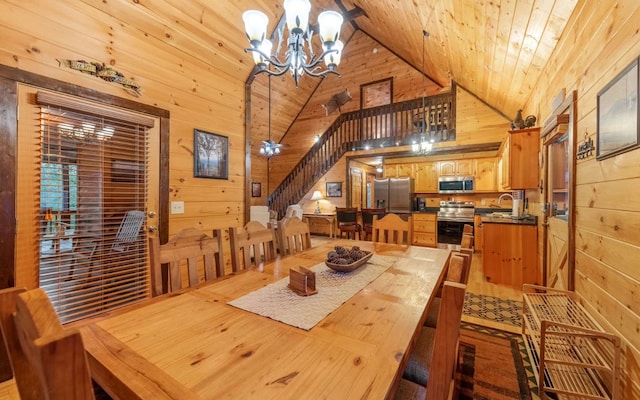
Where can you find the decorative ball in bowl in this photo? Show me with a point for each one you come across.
(345, 260)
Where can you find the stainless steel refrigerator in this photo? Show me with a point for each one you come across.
(394, 194)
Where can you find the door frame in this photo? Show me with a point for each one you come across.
(9, 79)
(568, 106)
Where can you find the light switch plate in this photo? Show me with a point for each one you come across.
(177, 207)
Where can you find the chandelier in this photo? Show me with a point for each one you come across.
(269, 147)
(422, 145)
(296, 59)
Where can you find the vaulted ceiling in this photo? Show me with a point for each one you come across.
(495, 49)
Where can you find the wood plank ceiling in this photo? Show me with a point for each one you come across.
(493, 48)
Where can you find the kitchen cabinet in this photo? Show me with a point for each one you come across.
(518, 160)
(425, 229)
(510, 253)
(478, 233)
(404, 170)
(425, 177)
(486, 175)
(391, 171)
(466, 167)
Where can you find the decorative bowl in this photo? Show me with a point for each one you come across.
(350, 267)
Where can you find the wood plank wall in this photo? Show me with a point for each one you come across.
(196, 82)
(600, 40)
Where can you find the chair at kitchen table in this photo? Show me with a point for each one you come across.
(294, 236)
(190, 245)
(48, 361)
(392, 229)
(467, 241)
(252, 244)
(348, 222)
(467, 229)
(367, 220)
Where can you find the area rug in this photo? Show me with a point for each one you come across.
(493, 309)
(493, 365)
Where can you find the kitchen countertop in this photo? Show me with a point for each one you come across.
(530, 220)
(428, 210)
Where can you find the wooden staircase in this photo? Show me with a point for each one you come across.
(389, 125)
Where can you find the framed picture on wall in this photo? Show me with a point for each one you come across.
(210, 155)
(618, 114)
(378, 93)
(334, 189)
(256, 189)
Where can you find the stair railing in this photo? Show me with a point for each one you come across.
(388, 125)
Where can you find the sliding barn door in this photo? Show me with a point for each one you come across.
(87, 194)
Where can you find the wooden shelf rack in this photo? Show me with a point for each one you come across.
(573, 355)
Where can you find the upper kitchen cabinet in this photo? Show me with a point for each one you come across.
(391, 171)
(405, 170)
(518, 160)
(457, 168)
(426, 177)
(486, 175)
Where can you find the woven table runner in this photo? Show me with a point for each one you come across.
(280, 303)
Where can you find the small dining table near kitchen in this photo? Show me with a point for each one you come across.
(195, 344)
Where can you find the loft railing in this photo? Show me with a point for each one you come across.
(389, 125)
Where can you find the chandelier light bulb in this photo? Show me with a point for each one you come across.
(297, 13)
(255, 25)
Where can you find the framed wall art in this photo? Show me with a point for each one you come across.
(618, 114)
(256, 189)
(378, 93)
(334, 189)
(210, 155)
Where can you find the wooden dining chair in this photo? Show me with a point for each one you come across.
(49, 362)
(458, 270)
(467, 229)
(467, 241)
(27, 382)
(367, 220)
(348, 222)
(251, 245)
(189, 245)
(294, 236)
(430, 373)
(392, 229)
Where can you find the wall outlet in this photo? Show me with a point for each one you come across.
(177, 207)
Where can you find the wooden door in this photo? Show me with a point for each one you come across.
(558, 183)
(356, 188)
(101, 190)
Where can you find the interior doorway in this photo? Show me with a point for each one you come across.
(558, 197)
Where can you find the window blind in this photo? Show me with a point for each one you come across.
(93, 196)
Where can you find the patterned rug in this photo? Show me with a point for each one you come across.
(493, 309)
(493, 365)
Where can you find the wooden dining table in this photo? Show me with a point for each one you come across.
(193, 345)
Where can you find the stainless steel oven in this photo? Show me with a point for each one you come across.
(452, 218)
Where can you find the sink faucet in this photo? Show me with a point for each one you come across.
(503, 195)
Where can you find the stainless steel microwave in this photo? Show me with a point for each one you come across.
(456, 184)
